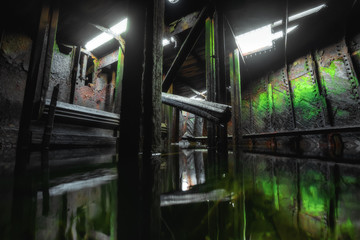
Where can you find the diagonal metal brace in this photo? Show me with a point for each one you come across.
(187, 46)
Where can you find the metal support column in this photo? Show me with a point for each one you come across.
(221, 73)
(235, 81)
(210, 75)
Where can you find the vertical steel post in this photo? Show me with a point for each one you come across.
(38, 75)
(74, 74)
(119, 79)
(210, 75)
(235, 81)
(221, 96)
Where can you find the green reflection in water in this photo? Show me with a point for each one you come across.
(273, 198)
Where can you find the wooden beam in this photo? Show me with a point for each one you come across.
(139, 125)
(153, 76)
(215, 112)
(186, 48)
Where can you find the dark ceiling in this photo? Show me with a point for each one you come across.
(76, 19)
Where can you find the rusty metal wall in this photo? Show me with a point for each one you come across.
(260, 106)
(318, 90)
(280, 108)
(339, 84)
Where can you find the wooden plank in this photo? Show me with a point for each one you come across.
(215, 112)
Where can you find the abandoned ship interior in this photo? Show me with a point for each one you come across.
(179, 119)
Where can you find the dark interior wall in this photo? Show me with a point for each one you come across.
(317, 90)
(98, 95)
(61, 67)
(14, 64)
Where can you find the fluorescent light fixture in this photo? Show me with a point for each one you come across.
(306, 13)
(259, 39)
(300, 15)
(255, 40)
(105, 37)
(280, 34)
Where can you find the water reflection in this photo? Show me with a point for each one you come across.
(253, 197)
(192, 171)
(80, 209)
(272, 198)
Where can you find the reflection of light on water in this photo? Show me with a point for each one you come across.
(184, 186)
(78, 185)
(191, 170)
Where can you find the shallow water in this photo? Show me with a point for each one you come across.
(248, 196)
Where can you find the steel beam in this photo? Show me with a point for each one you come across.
(210, 76)
(235, 81)
(109, 59)
(220, 72)
(186, 48)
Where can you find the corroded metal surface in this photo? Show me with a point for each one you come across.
(109, 59)
(246, 114)
(281, 117)
(182, 24)
(339, 84)
(260, 106)
(305, 93)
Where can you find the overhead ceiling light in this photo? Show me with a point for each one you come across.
(306, 13)
(300, 15)
(105, 37)
(259, 39)
(280, 34)
(173, 1)
(262, 38)
(255, 40)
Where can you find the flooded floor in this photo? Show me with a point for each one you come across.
(203, 196)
